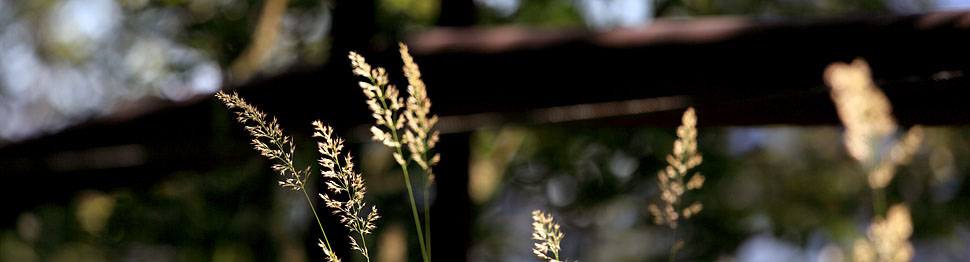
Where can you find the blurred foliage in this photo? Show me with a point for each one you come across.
(607, 14)
(767, 188)
(559, 13)
(65, 61)
(423, 12)
(189, 216)
(776, 8)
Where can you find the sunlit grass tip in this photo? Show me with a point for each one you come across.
(343, 179)
(547, 236)
(280, 147)
(672, 178)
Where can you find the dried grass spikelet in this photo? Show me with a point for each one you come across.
(547, 235)
(343, 179)
(684, 158)
(866, 113)
(331, 257)
(383, 100)
(421, 139)
(887, 239)
(269, 140)
(863, 109)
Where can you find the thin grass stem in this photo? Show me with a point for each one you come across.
(427, 211)
(407, 183)
(314, 211)
(414, 209)
(878, 201)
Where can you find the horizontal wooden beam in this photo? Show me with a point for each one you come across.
(744, 71)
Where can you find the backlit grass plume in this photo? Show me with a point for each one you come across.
(383, 100)
(280, 147)
(672, 179)
(887, 239)
(547, 236)
(269, 140)
(343, 179)
(866, 113)
(414, 127)
(863, 109)
(420, 136)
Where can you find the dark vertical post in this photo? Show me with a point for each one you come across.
(353, 27)
(451, 210)
(354, 23)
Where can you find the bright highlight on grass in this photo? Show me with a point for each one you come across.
(343, 179)
(547, 236)
(672, 179)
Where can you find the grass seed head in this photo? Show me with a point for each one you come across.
(420, 134)
(863, 108)
(342, 179)
(547, 236)
(672, 178)
(867, 116)
(268, 140)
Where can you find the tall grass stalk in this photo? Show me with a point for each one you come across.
(412, 127)
(672, 180)
(867, 116)
(343, 179)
